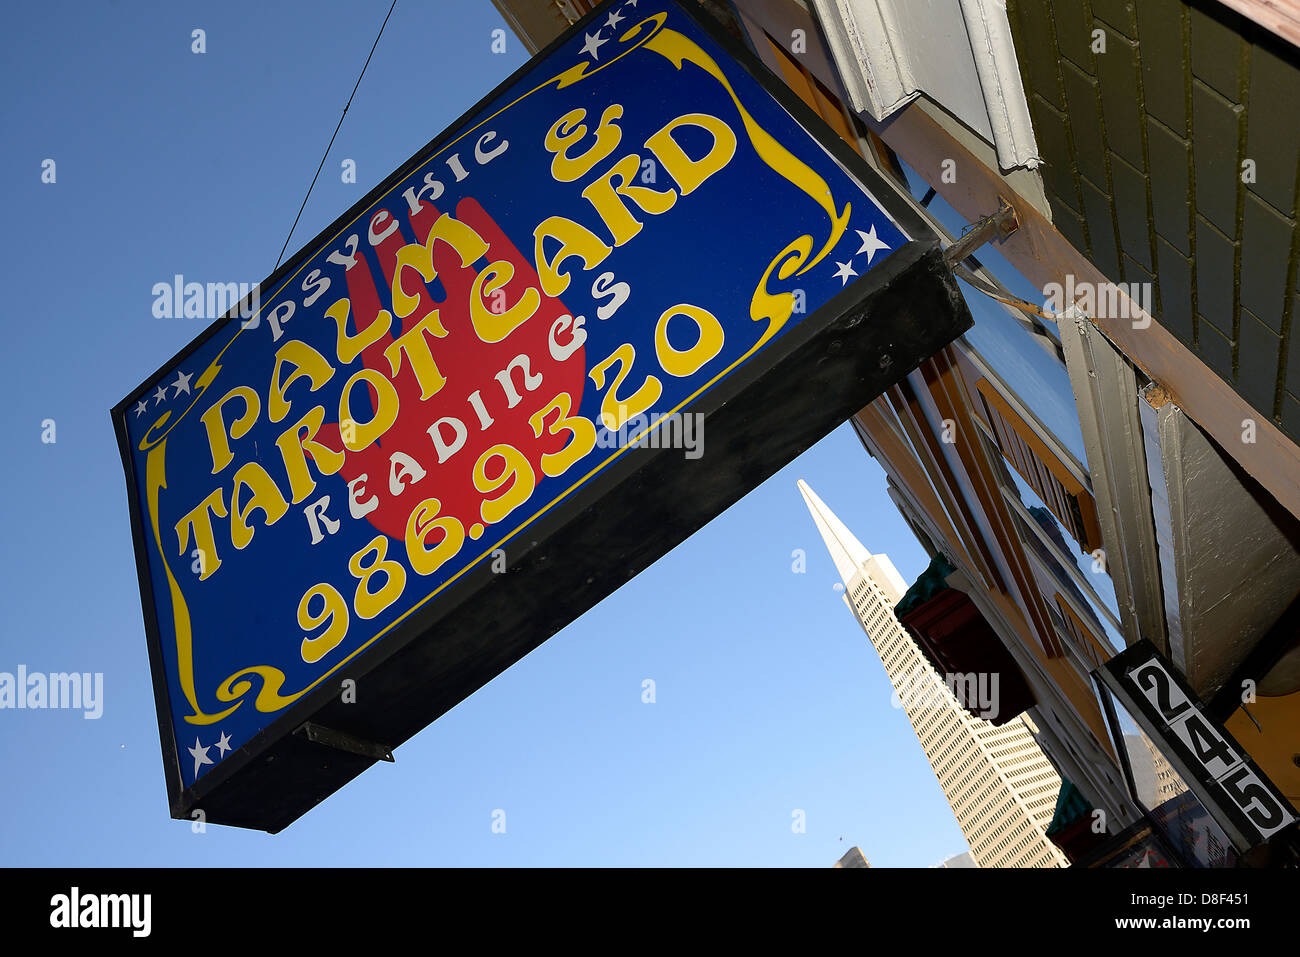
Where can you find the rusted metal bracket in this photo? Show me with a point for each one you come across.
(342, 741)
(998, 226)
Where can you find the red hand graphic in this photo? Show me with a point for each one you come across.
(468, 365)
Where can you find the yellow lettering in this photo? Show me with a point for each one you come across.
(361, 435)
(415, 347)
(200, 520)
(306, 361)
(569, 130)
(614, 410)
(334, 612)
(575, 240)
(707, 345)
(368, 604)
(689, 173)
(214, 421)
(583, 432)
(515, 467)
(349, 346)
(468, 244)
(266, 496)
(605, 197)
(491, 326)
(293, 446)
(424, 520)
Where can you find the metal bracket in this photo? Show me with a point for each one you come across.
(998, 226)
(568, 10)
(342, 741)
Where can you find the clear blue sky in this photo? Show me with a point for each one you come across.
(770, 699)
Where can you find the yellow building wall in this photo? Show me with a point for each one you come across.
(1277, 748)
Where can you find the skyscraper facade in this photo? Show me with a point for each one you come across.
(1000, 785)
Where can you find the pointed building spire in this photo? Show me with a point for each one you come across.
(847, 552)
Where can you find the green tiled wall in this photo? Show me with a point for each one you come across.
(1145, 112)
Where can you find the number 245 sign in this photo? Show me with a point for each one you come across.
(1214, 765)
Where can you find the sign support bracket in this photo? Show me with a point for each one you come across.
(342, 741)
(997, 226)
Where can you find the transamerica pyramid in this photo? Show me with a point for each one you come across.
(998, 782)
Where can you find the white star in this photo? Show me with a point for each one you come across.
(631, 3)
(182, 383)
(845, 271)
(160, 395)
(613, 19)
(200, 755)
(223, 745)
(871, 244)
(593, 43)
(141, 408)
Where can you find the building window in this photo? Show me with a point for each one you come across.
(1050, 478)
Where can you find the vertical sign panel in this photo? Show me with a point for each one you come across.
(1229, 785)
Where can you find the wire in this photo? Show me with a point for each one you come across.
(1022, 305)
(1037, 329)
(331, 142)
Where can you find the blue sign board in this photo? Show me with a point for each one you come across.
(551, 289)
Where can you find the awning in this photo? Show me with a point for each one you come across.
(1070, 806)
(1071, 828)
(962, 647)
